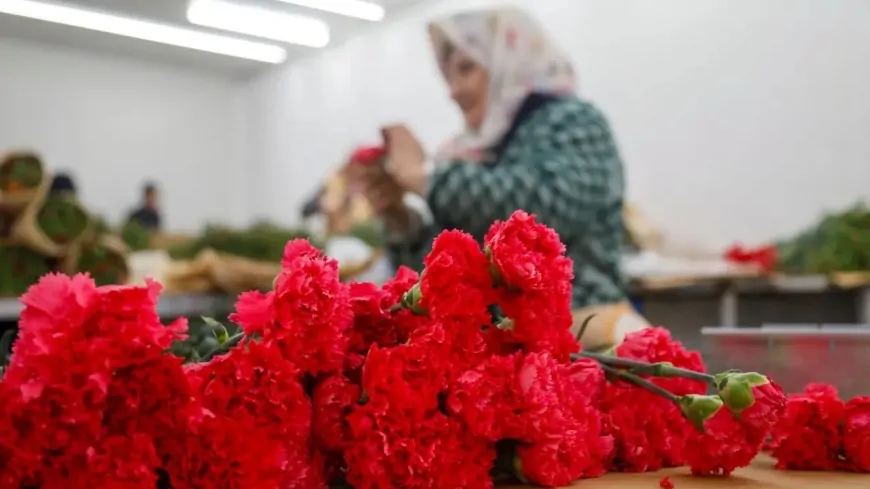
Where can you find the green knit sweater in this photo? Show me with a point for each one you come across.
(560, 164)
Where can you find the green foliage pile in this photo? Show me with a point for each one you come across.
(62, 219)
(135, 236)
(259, 242)
(20, 267)
(840, 242)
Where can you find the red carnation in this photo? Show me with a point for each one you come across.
(654, 345)
(78, 347)
(405, 321)
(646, 439)
(372, 324)
(578, 452)
(807, 436)
(257, 429)
(724, 445)
(856, 434)
(119, 461)
(756, 400)
(311, 310)
(507, 397)
(372, 321)
(298, 249)
(406, 378)
(534, 399)
(255, 312)
(457, 268)
(539, 322)
(156, 399)
(464, 460)
(527, 256)
(368, 155)
(334, 398)
(429, 452)
(221, 452)
(583, 382)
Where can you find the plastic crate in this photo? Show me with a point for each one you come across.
(795, 355)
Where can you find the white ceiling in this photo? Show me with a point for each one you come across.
(173, 12)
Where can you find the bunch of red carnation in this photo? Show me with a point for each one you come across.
(819, 431)
(454, 378)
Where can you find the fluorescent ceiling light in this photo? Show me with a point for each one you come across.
(259, 22)
(351, 8)
(146, 31)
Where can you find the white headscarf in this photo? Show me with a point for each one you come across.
(520, 59)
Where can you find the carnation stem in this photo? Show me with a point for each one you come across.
(396, 308)
(660, 369)
(640, 382)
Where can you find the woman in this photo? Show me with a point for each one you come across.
(528, 144)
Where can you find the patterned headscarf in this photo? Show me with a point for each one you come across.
(520, 59)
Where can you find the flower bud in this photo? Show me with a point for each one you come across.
(411, 299)
(736, 389)
(698, 409)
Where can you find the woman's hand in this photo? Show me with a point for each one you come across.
(379, 188)
(405, 158)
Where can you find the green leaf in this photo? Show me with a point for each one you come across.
(219, 330)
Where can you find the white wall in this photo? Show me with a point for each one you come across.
(114, 123)
(738, 119)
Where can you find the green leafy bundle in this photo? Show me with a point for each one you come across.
(260, 242)
(20, 172)
(135, 236)
(62, 219)
(20, 268)
(105, 265)
(840, 242)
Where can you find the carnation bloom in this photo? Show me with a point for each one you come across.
(527, 256)
(534, 286)
(646, 439)
(655, 345)
(856, 434)
(534, 399)
(77, 377)
(404, 321)
(724, 445)
(257, 428)
(333, 399)
(758, 401)
(456, 284)
(539, 322)
(431, 452)
(807, 436)
(310, 311)
(372, 323)
(654, 437)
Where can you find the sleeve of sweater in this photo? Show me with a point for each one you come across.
(563, 168)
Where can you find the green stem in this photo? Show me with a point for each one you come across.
(661, 369)
(640, 382)
(231, 342)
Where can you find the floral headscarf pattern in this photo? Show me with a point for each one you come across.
(520, 59)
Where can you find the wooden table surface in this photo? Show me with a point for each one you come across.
(760, 475)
